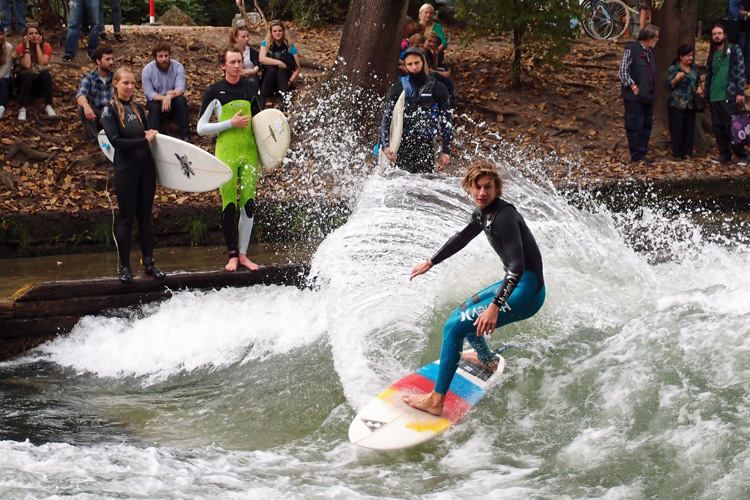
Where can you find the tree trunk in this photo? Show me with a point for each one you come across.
(677, 21)
(370, 44)
(515, 71)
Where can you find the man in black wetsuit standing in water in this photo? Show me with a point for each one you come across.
(518, 296)
(427, 113)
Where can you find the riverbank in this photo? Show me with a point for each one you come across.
(563, 127)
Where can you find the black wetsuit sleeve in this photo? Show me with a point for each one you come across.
(505, 228)
(445, 117)
(254, 93)
(111, 126)
(385, 123)
(457, 242)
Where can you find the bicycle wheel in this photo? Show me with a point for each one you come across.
(596, 19)
(619, 17)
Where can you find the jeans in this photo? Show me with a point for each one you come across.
(721, 120)
(30, 85)
(639, 119)
(92, 128)
(19, 8)
(681, 130)
(179, 111)
(77, 10)
(116, 15)
(6, 87)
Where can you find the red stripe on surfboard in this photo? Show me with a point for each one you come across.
(454, 409)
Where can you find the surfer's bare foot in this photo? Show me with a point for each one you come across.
(248, 263)
(232, 264)
(431, 403)
(473, 357)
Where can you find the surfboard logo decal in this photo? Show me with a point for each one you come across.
(273, 136)
(373, 425)
(185, 165)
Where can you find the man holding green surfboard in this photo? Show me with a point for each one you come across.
(234, 100)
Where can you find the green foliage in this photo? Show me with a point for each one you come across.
(137, 11)
(308, 12)
(541, 30)
(711, 11)
(198, 230)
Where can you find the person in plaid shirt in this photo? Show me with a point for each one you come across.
(95, 91)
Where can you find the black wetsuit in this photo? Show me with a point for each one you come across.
(427, 113)
(274, 77)
(519, 295)
(135, 176)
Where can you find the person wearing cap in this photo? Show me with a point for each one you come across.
(427, 113)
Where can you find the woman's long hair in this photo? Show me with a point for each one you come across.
(117, 103)
(269, 38)
(236, 31)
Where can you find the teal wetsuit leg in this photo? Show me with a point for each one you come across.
(523, 303)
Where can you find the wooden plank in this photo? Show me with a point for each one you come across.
(83, 306)
(7, 309)
(281, 274)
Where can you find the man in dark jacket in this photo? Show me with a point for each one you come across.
(725, 90)
(638, 77)
(427, 113)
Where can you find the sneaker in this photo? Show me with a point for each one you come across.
(8, 32)
(720, 160)
(118, 37)
(103, 36)
(2, 111)
(22, 115)
(742, 161)
(50, 111)
(67, 58)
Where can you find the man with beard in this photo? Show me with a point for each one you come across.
(234, 100)
(638, 78)
(725, 90)
(164, 86)
(427, 113)
(95, 91)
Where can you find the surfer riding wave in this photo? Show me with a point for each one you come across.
(518, 296)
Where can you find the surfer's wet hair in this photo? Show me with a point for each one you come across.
(480, 169)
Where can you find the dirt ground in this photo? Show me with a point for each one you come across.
(47, 165)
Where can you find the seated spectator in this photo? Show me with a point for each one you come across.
(95, 91)
(33, 75)
(443, 75)
(409, 30)
(416, 40)
(280, 62)
(164, 86)
(427, 19)
(240, 36)
(6, 77)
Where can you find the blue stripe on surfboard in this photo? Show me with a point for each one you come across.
(464, 389)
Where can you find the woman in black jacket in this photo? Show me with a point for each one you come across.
(125, 123)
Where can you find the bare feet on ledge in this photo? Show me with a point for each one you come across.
(431, 403)
(248, 263)
(473, 357)
(232, 264)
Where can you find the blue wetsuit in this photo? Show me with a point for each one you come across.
(519, 295)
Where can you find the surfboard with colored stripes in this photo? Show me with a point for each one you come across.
(387, 423)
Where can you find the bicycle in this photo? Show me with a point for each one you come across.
(605, 19)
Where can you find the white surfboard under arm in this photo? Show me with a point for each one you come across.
(206, 127)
